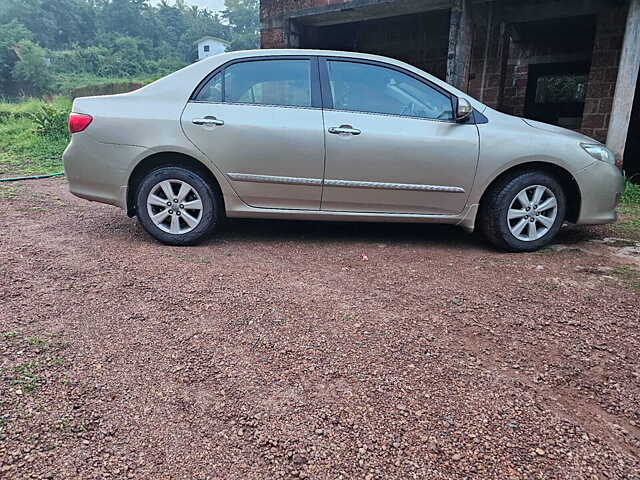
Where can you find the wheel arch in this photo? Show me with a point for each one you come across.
(167, 159)
(566, 179)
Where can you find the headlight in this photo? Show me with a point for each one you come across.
(599, 152)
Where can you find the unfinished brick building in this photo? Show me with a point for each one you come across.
(572, 63)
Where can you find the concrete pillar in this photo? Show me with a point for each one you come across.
(625, 83)
(460, 40)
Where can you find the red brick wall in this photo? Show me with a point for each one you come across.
(272, 10)
(604, 70)
(485, 76)
(515, 88)
(272, 38)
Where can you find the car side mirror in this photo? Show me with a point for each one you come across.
(463, 109)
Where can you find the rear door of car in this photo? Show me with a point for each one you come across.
(260, 122)
(392, 145)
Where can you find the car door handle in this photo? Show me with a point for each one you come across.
(207, 121)
(348, 129)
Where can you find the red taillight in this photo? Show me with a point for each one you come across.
(78, 122)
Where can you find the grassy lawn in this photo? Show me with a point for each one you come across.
(25, 147)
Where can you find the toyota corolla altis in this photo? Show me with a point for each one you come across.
(309, 134)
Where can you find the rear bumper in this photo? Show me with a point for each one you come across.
(601, 186)
(99, 171)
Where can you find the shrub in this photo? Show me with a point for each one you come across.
(50, 121)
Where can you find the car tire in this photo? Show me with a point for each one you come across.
(194, 212)
(513, 218)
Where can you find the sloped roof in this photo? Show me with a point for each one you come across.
(208, 37)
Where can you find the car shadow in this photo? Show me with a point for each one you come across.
(322, 232)
(250, 230)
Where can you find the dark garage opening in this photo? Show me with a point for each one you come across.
(420, 39)
(631, 164)
(558, 53)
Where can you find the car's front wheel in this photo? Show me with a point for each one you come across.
(177, 206)
(523, 212)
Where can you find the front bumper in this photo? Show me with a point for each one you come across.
(601, 186)
(99, 171)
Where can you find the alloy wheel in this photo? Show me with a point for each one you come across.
(532, 213)
(174, 206)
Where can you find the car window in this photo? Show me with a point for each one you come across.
(269, 82)
(212, 91)
(362, 87)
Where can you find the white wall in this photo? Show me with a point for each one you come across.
(214, 48)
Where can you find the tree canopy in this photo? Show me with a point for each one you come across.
(114, 38)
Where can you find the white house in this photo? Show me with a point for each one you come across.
(208, 46)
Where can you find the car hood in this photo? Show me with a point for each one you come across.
(559, 130)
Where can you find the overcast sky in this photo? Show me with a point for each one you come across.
(215, 5)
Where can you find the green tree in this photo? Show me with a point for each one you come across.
(32, 73)
(54, 23)
(11, 34)
(200, 23)
(244, 18)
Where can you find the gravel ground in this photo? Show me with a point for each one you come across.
(310, 350)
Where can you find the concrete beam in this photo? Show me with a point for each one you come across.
(626, 83)
(460, 39)
(361, 10)
(530, 12)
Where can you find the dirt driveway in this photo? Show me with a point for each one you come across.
(276, 351)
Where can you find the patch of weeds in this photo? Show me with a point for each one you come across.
(63, 424)
(8, 335)
(629, 276)
(57, 361)
(188, 258)
(632, 225)
(456, 300)
(8, 192)
(40, 343)
(26, 377)
(631, 195)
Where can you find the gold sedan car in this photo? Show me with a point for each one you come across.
(309, 134)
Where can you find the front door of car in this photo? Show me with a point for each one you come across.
(391, 143)
(260, 122)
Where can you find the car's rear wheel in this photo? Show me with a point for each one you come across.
(177, 206)
(523, 212)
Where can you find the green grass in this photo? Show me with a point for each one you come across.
(66, 82)
(21, 107)
(629, 210)
(23, 151)
(631, 197)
